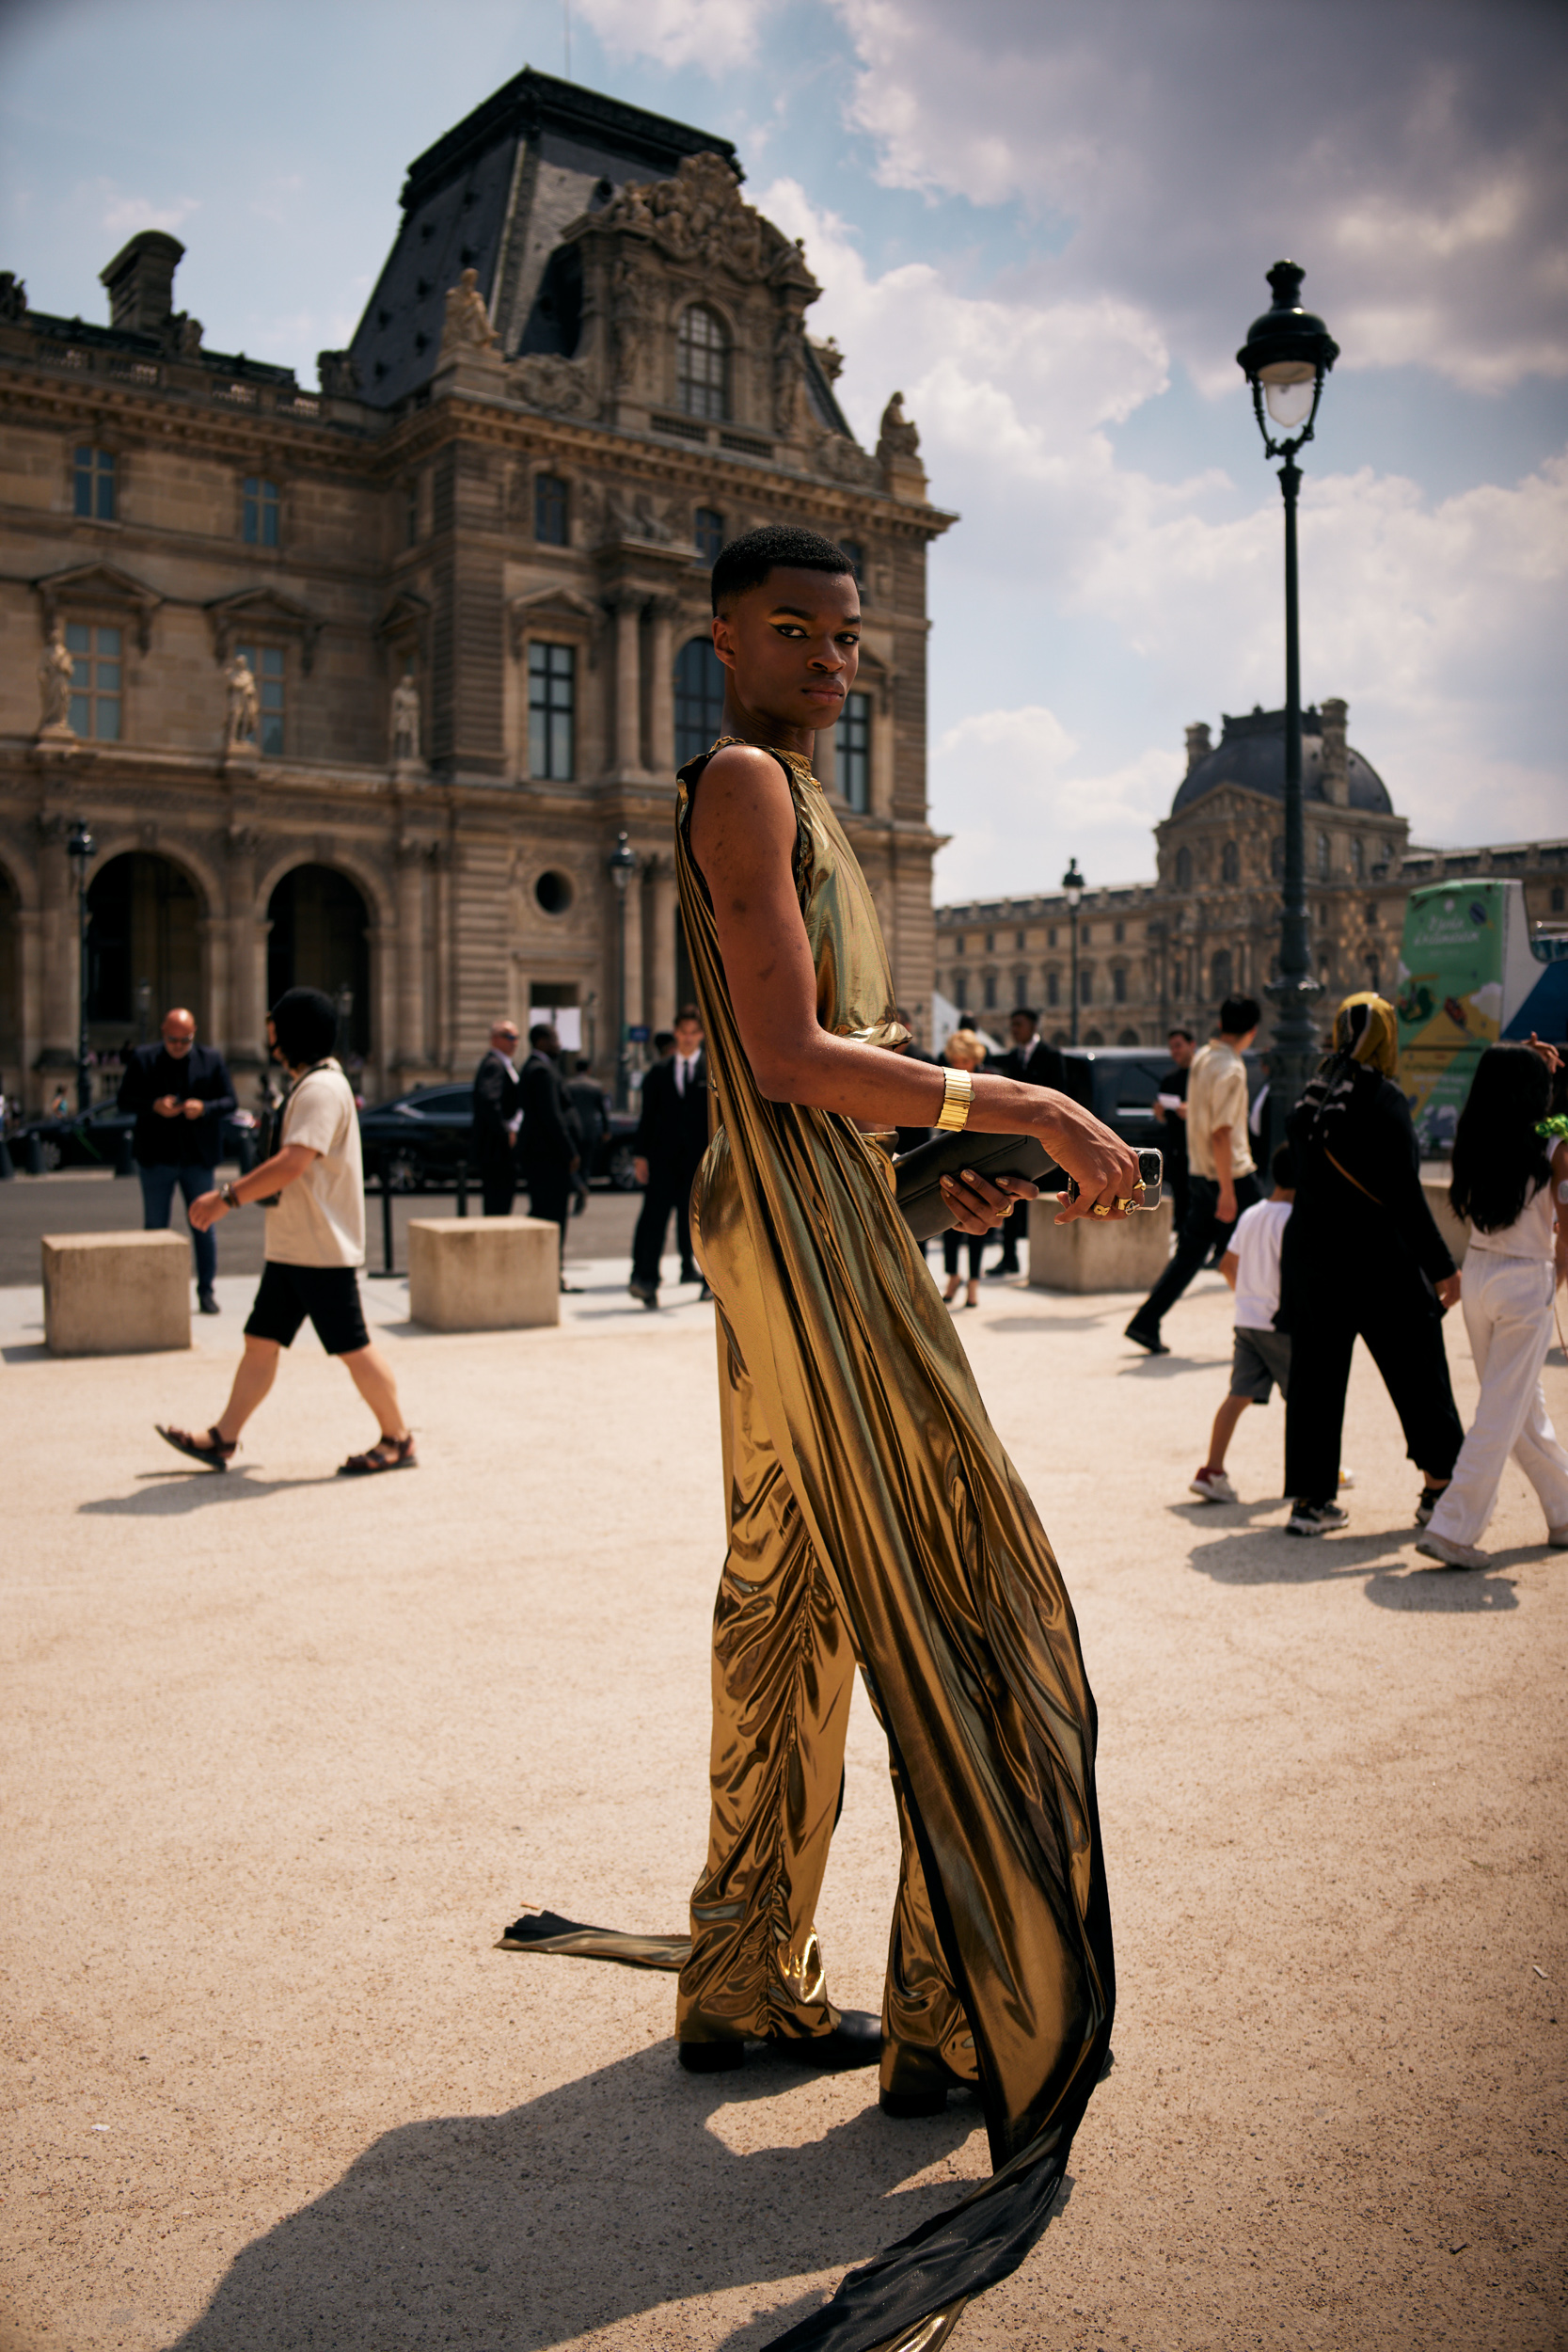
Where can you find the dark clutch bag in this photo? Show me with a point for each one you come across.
(918, 1174)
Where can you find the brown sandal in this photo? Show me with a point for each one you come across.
(214, 1454)
(371, 1464)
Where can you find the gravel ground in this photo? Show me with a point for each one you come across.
(283, 1754)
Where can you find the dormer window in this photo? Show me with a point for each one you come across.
(703, 364)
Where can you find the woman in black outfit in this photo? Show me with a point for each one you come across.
(1362, 1257)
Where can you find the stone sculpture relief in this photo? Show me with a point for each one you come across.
(898, 436)
(700, 217)
(406, 723)
(845, 461)
(13, 298)
(56, 671)
(337, 375)
(242, 711)
(468, 324)
(543, 380)
(633, 308)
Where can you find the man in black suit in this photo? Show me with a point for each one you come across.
(549, 1153)
(672, 1136)
(498, 1115)
(180, 1093)
(1035, 1064)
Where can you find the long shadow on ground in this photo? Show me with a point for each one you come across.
(596, 2202)
(1266, 1555)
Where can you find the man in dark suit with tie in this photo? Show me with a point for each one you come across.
(549, 1153)
(497, 1113)
(1036, 1064)
(672, 1136)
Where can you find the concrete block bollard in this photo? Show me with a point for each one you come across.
(116, 1294)
(1453, 1228)
(1095, 1253)
(483, 1273)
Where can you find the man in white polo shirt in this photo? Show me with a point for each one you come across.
(314, 1191)
(1223, 1175)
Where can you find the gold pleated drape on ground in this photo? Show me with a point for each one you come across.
(875, 1517)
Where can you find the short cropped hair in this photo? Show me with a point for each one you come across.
(305, 1022)
(1238, 1015)
(1024, 1012)
(664, 1040)
(688, 1013)
(1180, 1029)
(746, 562)
(540, 1033)
(1282, 1168)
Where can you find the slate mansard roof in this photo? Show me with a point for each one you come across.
(493, 194)
(1251, 753)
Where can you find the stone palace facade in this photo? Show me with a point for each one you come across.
(359, 686)
(1153, 953)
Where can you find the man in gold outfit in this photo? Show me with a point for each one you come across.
(875, 1519)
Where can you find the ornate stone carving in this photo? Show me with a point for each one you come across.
(546, 381)
(898, 437)
(700, 217)
(633, 309)
(845, 461)
(56, 671)
(789, 365)
(406, 723)
(468, 324)
(636, 515)
(243, 710)
(13, 298)
(338, 375)
(829, 359)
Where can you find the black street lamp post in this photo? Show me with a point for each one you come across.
(1286, 357)
(82, 848)
(623, 866)
(1073, 890)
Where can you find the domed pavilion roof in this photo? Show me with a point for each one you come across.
(1251, 753)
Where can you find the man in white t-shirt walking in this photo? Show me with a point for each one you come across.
(1260, 1362)
(314, 1191)
(1222, 1178)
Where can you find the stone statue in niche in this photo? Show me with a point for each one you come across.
(898, 437)
(633, 298)
(468, 324)
(56, 671)
(13, 298)
(788, 373)
(406, 722)
(829, 359)
(242, 713)
(338, 375)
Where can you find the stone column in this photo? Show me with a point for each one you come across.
(1336, 755)
(408, 1044)
(248, 948)
(662, 695)
(634, 951)
(60, 955)
(627, 604)
(661, 960)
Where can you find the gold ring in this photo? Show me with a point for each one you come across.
(1122, 1206)
(1100, 1209)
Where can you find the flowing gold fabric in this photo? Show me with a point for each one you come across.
(874, 1519)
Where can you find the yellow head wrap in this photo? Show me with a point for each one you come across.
(1365, 1027)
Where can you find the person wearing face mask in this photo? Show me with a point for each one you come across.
(179, 1094)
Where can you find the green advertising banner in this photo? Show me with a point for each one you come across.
(1462, 941)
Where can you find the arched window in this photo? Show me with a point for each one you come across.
(1358, 857)
(990, 991)
(1118, 985)
(1021, 988)
(1129, 1036)
(1220, 981)
(1052, 988)
(699, 698)
(1183, 869)
(708, 533)
(960, 990)
(703, 364)
(1230, 862)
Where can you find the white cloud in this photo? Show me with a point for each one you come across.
(1412, 159)
(716, 35)
(124, 215)
(1007, 788)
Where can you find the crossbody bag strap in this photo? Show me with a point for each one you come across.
(1350, 1178)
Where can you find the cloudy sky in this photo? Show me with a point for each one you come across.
(1048, 223)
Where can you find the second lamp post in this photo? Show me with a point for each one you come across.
(1072, 891)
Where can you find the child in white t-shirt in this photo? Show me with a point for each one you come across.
(1262, 1357)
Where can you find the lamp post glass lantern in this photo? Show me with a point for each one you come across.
(1286, 359)
(1073, 890)
(623, 866)
(82, 848)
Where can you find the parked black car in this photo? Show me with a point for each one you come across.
(1118, 1083)
(103, 1139)
(421, 1137)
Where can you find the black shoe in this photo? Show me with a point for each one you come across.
(208, 1304)
(571, 1289)
(710, 2058)
(996, 1272)
(855, 2041)
(689, 1274)
(921, 2082)
(647, 1291)
(1150, 1339)
(707, 1298)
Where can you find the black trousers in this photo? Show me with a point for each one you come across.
(952, 1246)
(1013, 1228)
(1202, 1230)
(498, 1182)
(1334, 1301)
(550, 1196)
(669, 1188)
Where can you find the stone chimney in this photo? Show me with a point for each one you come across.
(1198, 745)
(1336, 755)
(140, 281)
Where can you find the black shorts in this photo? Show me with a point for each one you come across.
(329, 1295)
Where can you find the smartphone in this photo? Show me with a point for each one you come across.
(1151, 1172)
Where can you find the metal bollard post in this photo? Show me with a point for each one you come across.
(125, 1161)
(32, 1154)
(461, 1187)
(7, 1171)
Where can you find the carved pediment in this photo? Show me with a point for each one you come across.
(560, 608)
(266, 610)
(701, 218)
(97, 584)
(845, 461)
(407, 620)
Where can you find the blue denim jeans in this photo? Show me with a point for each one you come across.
(158, 1185)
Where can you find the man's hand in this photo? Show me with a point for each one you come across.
(1105, 1168)
(978, 1205)
(206, 1209)
(193, 1109)
(1224, 1207)
(1447, 1292)
(168, 1106)
(640, 1169)
(1548, 1054)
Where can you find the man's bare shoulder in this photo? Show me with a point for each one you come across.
(744, 765)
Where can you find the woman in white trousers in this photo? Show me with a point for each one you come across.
(1511, 1179)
